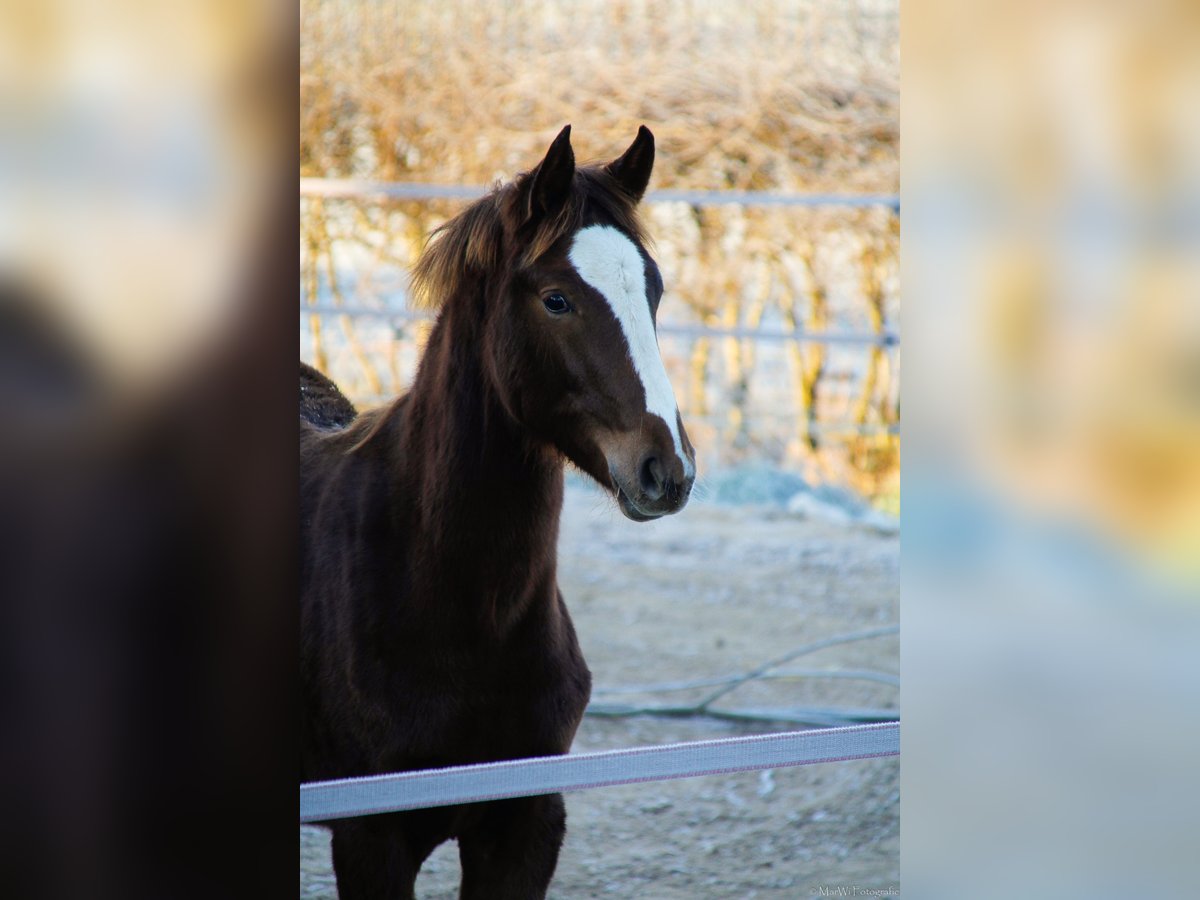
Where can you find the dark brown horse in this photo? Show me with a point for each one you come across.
(321, 403)
(432, 631)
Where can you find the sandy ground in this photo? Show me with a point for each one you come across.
(715, 591)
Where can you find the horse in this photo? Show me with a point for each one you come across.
(322, 404)
(433, 632)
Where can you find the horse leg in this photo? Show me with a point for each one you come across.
(511, 853)
(375, 860)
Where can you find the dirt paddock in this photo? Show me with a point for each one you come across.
(715, 591)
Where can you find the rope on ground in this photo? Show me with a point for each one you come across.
(798, 716)
(344, 798)
(667, 687)
(825, 717)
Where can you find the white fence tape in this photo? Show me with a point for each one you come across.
(347, 797)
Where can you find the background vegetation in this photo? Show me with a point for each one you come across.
(762, 95)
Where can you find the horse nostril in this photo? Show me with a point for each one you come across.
(652, 476)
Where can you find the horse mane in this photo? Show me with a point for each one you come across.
(472, 244)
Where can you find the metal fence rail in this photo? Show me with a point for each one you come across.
(351, 188)
(881, 339)
(694, 332)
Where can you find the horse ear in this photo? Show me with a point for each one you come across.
(551, 180)
(632, 169)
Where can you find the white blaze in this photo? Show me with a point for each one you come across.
(610, 262)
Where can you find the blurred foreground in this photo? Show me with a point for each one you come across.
(146, 629)
(1052, 470)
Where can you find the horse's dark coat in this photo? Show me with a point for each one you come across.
(432, 629)
(321, 403)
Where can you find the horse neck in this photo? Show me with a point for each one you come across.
(487, 496)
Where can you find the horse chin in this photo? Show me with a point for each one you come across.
(631, 511)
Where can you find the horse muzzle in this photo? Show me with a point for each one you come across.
(658, 485)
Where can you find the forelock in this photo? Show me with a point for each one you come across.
(596, 198)
(472, 244)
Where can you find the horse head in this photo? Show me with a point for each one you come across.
(570, 303)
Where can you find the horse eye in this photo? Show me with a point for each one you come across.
(556, 303)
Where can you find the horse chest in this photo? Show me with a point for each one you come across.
(531, 687)
(439, 684)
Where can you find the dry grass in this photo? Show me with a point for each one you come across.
(753, 95)
(762, 95)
